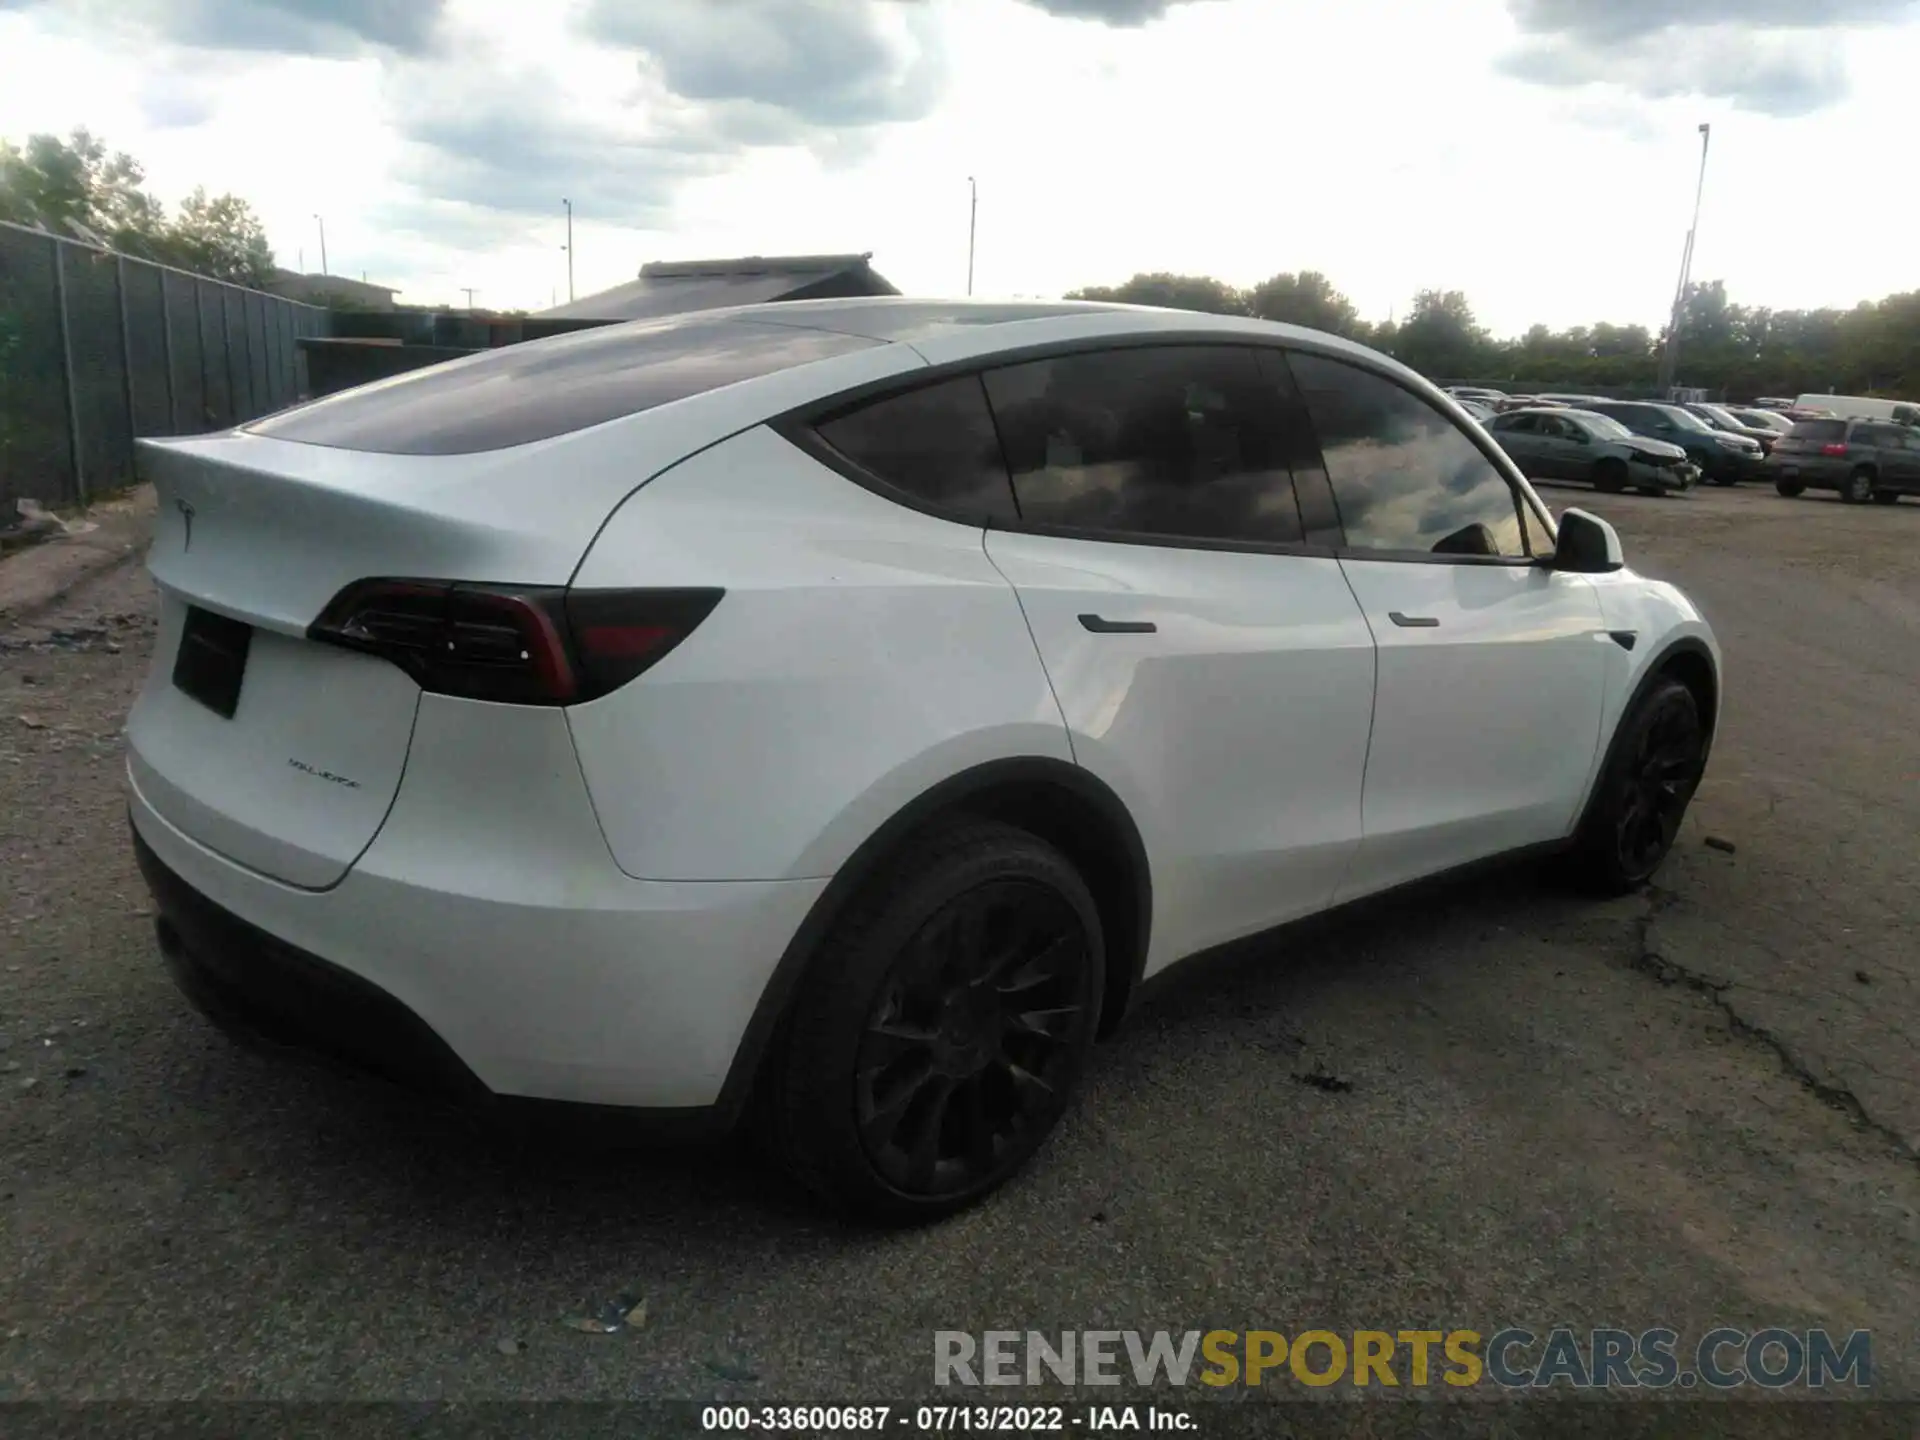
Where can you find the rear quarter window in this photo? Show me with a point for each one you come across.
(522, 393)
(936, 445)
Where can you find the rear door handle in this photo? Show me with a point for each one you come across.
(1413, 622)
(1100, 626)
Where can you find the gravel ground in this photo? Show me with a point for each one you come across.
(1498, 1105)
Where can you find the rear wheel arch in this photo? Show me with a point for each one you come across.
(1062, 804)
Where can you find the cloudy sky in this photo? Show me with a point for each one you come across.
(1538, 154)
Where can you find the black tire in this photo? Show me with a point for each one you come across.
(1886, 497)
(1651, 772)
(1610, 477)
(1792, 489)
(905, 1088)
(1857, 488)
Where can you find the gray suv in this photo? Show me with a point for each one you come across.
(1862, 459)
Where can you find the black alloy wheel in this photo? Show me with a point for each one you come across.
(1651, 772)
(974, 1037)
(939, 1032)
(1658, 782)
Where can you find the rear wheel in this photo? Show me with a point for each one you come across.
(1790, 488)
(1610, 476)
(1857, 488)
(940, 1035)
(1643, 793)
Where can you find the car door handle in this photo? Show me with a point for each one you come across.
(1102, 626)
(1412, 622)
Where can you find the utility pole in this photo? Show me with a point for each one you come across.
(469, 291)
(1670, 360)
(568, 247)
(323, 244)
(973, 228)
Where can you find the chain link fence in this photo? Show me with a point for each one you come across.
(98, 348)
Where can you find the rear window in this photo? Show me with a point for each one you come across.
(1820, 432)
(543, 388)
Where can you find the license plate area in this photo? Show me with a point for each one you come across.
(212, 660)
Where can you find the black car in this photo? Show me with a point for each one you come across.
(1723, 458)
(1862, 459)
(1728, 423)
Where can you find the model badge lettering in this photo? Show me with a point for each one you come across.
(305, 769)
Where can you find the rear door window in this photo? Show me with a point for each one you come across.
(534, 391)
(1176, 442)
(937, 445)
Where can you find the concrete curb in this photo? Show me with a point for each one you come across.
(35, 578)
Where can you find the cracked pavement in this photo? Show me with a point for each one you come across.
(1476, 1107)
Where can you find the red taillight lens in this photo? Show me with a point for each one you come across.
(516, 645)
(1836, 450)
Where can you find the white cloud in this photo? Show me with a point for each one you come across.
(1540, 156)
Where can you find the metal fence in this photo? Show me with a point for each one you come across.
(97, 348)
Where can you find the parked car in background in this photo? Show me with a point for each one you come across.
(1862, 459)
(1478, 410)
(1479, 394)
(1525, 402)
(1723, 459)
(1862, 407)
(1559, 397)
(1774, 402)
(1765, 419)
(1725, 421)
(1555, 444)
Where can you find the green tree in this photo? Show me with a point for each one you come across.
(1170, 292)
(1308, 299)
(1441, 336)
(219, 235)
(77, 185)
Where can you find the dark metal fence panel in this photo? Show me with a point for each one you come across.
(96, 350)
(148, 371)
(211, 298)
(261, 400)
(188, 368)
(36, 431)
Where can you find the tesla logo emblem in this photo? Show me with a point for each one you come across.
(186, 518)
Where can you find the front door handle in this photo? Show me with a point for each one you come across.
(1413, 622)
(1101, 626)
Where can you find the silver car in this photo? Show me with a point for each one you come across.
(1580, 445)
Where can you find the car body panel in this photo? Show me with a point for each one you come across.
(1484, 720)
(1235, 732)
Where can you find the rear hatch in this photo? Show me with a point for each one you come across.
(277, 750)
(1813, 439)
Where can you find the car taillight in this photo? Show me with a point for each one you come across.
(1837, 450)
(517, 645)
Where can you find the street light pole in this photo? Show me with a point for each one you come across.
(973, 228)
(569, 249)
(323, 244)
(1670, 360)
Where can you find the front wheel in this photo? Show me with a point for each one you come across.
(1643, 792)
(1792, 489)
(942, 1028)
(1610, 477)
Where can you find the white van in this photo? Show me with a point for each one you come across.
(1861, 407)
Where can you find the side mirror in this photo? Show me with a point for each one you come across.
(1587, 545)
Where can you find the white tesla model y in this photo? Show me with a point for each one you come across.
(833, 711)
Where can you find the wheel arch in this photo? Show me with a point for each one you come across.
(1688, 659)
(1060, 802)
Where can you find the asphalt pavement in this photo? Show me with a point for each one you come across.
(1498, 1105)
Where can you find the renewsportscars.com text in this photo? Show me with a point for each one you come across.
(1511, 1358)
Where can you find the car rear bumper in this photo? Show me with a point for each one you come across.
(1815, 472)
(585, 987)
